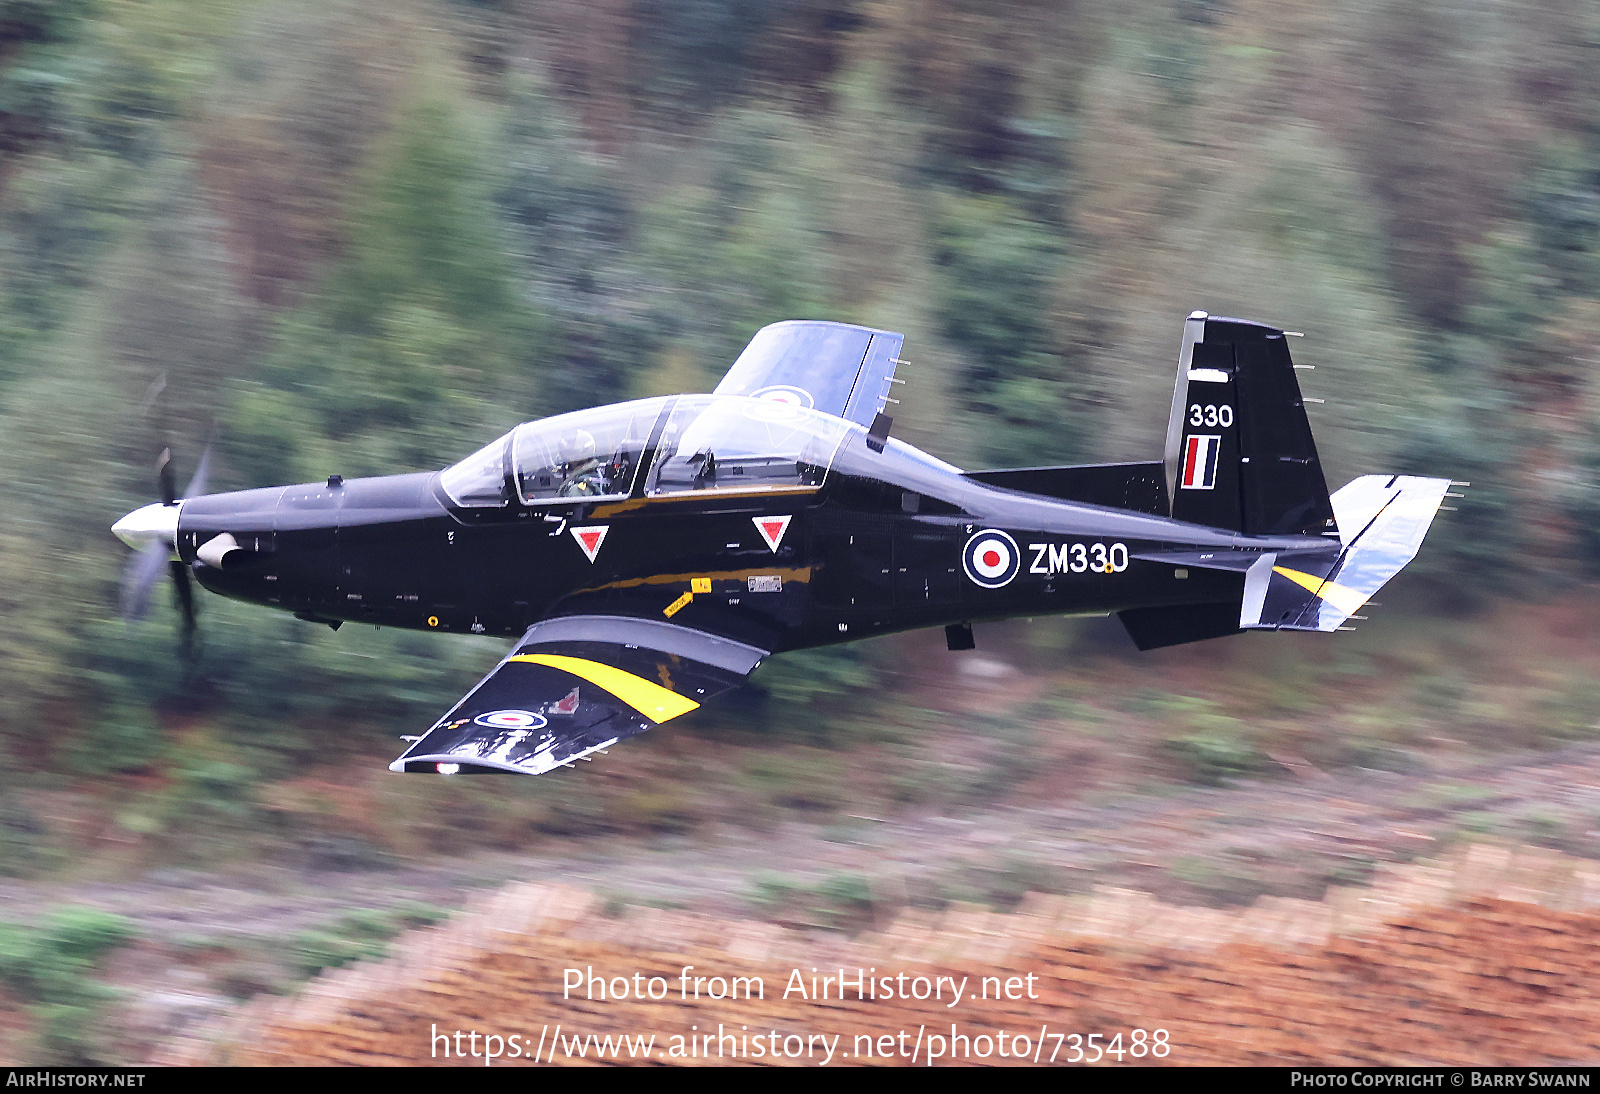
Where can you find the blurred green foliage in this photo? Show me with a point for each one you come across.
(996, 267)
(1221, 880)
(797, 680)
(1216, 746)
(357, 935)
(395, 358)
(698, 53)
(1550, 255)
(88, 110)
(836, 902)
(52, 969)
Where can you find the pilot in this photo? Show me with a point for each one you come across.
(581, 471)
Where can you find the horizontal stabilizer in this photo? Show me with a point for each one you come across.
(1236, 561)
(1384, 517)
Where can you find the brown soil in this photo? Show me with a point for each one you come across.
(1486, 957)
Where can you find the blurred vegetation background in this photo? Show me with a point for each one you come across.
(365, 236)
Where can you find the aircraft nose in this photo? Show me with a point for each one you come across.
(148, 524)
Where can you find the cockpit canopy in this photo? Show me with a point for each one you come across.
(680, 444)
(586, 454)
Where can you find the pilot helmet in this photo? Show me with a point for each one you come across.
(577, 447)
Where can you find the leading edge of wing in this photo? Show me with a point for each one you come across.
(577, 684)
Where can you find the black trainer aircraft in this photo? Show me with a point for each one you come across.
(650, 554)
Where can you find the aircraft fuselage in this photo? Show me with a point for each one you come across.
(890, 541)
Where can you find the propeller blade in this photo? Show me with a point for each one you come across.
(185, 595)
(166, 477)
(144, 569)
(197, 485)
(141, 574)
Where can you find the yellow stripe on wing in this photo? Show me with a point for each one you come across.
(652, 700)
(1346, 599)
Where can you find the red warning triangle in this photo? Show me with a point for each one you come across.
(772, 529)
(591, 538)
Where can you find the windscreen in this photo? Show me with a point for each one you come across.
(480, 479)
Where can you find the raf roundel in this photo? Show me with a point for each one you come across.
(512, 719)
(786, 395)
(991, 558)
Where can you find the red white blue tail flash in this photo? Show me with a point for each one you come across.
(1200, 462)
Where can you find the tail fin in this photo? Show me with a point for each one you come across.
(1239, 448)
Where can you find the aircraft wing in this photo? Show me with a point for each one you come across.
(577, 684)
(837, 368)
